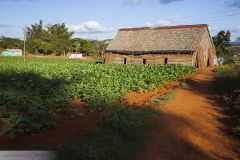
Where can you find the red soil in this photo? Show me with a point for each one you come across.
(142, 98)
(191, 126)
(65, 129)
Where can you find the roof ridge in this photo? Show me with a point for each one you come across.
(165, 27)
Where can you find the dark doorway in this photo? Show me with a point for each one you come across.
(125, 60)
(165, 60)
(208, 63)
(144, 61)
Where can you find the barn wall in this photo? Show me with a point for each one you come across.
(184, 59)
(206, 48)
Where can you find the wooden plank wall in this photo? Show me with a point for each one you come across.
(184, 59)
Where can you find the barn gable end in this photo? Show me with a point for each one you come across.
(187, 45)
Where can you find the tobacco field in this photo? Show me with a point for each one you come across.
(31, 93)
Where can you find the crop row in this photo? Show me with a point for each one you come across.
(41, 86)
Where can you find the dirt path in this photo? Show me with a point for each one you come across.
(191, 127)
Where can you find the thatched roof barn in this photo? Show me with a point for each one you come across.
(187, 45)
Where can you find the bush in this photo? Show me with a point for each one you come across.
(236, 131)
(98, 146)
(229, 61)
(163, 100)
(128, 122)
(227, 82)
(123, 132)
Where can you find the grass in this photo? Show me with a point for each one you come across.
(163, 100)
(122, 136)
(182, 85)
(228, 80)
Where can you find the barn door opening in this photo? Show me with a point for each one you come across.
(165, 60)
(144, 61)
(211, 57)
(125, 60)
(208, 62)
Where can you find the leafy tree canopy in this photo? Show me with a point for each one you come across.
(50, 39)
(10, 43)
(222, 41)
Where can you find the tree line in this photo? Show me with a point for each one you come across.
(57, 39)
(53, 39)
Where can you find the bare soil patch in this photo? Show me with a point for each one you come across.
(191, 126)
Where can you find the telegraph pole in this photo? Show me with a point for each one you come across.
(24, 47)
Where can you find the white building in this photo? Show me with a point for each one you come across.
(74, 55)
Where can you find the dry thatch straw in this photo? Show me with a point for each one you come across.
(211, 54)
(174, 39)
(200, 58)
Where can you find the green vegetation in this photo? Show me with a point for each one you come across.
(124, 131)
(10, 43)
(221, 42)
(228, 78)
(227, 83)
(43, 86)
(54, 39)
(163, 100)
(183, 84)
(89, 47)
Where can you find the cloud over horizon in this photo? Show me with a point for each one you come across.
(3, 24)
(89, 27)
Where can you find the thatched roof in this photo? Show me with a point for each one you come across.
(168, 39)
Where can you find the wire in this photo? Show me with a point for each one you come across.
(187, 19)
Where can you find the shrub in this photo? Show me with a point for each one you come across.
(129, 122)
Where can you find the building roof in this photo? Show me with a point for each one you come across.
(167, 39)
(19, 50)
(74, 53)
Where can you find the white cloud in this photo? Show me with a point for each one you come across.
(235, 30)
(214, 29)
(89, 27)
(164, 22)
(95, 36)
(3, 24)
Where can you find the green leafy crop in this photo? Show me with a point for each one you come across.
(42, 85)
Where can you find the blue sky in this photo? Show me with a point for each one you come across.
(100, 19)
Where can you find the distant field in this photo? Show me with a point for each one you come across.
(31, 90)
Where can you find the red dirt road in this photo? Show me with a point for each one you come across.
(191, 127)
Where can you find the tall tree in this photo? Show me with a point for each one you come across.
(222, 41)
(100, 46)
(59, 37)
(51, 39)
(85, 46)
(36, 35)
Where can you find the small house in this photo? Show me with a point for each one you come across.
(187, 45)
(12, 52)
(74, 55)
